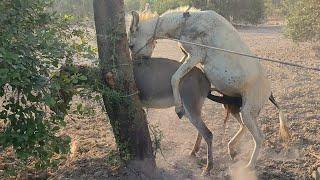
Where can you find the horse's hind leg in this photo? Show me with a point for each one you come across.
(249, 114)
(196, 146)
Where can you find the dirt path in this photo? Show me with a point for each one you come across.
(297, 91)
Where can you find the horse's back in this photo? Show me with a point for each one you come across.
(228, 72)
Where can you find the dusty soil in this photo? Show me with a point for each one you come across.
(297, 90)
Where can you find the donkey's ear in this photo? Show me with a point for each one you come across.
(135, 21)
(147, 8)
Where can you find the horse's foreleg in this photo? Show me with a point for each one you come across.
(185, 53)
(175, 81)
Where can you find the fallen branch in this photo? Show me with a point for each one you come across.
(314, 155)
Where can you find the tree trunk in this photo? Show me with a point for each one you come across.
(127, 118)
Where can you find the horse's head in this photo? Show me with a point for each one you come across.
(142, 34)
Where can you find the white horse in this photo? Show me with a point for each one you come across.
(230, 74)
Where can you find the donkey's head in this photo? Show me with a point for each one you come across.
(142, 34)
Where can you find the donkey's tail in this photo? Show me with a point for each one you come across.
(284, 130)
(225, 99)
(231, 104)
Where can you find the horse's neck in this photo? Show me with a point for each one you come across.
(170, 26)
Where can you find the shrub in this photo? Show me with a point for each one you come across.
(81, 9)
(303, 20)
(248, 11)
(160, 6)
(33, 43)
(131, 5)
(273, 10)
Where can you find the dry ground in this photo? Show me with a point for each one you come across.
(297, 90)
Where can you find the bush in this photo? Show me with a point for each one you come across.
(33, 44)
(303, 20)
(273, 10)
(160, 6)
(247, 11)
(81, 9)
(131, 5)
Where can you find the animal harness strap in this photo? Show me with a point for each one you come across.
(185, 16)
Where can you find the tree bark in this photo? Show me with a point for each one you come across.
(127, 118)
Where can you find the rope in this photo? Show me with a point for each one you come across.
(242, 54)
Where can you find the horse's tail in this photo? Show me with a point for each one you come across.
(284, 130)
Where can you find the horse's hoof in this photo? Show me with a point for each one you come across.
(249, 167)
(180, 111)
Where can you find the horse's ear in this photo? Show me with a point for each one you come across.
(135, 21)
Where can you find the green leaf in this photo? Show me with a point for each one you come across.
(83, 78)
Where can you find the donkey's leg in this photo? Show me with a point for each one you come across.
(207, 136)
(193, 103)
(196, 146)
(236, 138)
(193, 111)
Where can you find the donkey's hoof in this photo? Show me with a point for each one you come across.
(180, 111)
(232, 154)
(205, 173)
(193, 154)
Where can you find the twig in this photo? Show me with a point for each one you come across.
(314, 155)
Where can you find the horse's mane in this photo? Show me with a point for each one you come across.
(147, 15)
(182, 9)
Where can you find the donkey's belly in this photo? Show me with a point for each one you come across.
(158, 103)
(153, 79)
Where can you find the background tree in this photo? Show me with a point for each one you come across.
(126, 116)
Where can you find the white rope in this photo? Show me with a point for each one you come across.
(242, 54)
